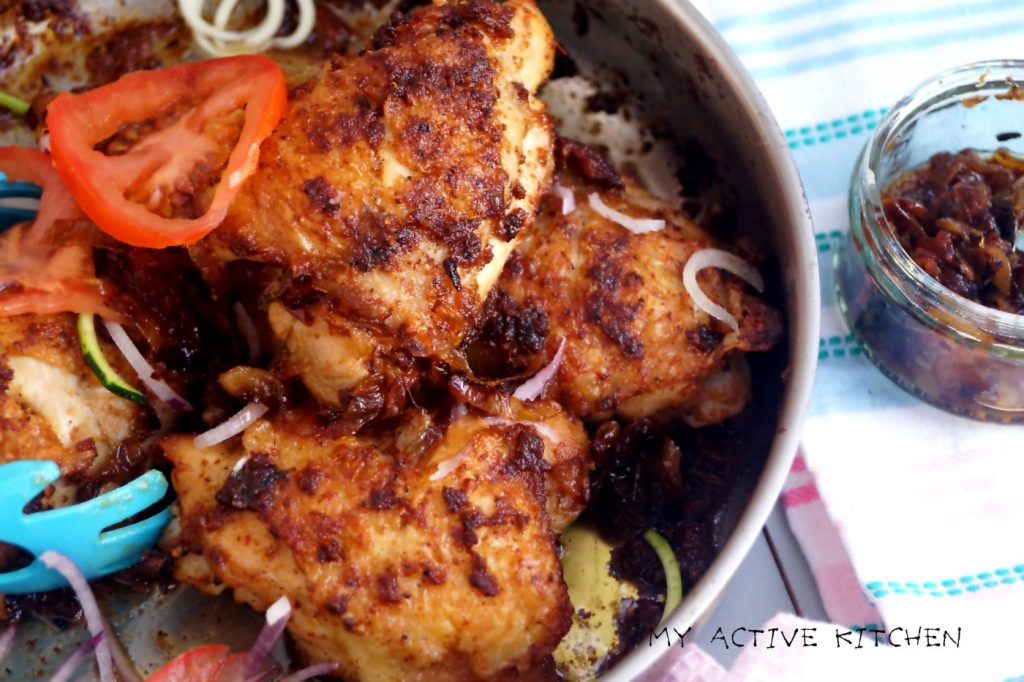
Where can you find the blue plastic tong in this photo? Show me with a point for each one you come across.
(79, 531)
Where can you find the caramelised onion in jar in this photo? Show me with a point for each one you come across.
(930, 278)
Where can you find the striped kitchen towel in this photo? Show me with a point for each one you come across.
(907, 515)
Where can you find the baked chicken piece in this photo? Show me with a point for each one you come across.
(393, 191)
(429, 554)
(52, 406)
(635, 343)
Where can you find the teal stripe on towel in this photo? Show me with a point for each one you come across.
(846, 25)
(880, 48)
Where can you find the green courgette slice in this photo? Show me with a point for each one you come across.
(673, 576)
(93, 355)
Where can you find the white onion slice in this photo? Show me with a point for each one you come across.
(535, 385)
(723, 260)
(218, 40)
(6, 642)
(568, 198)
(311, 672)
(249, 331)
(145, 370)
(231, 427)
(277, 619)
(634, 225)
(93, 618)
(67, 668)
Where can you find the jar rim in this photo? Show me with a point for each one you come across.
(953, 86)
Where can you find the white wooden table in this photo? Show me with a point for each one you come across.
(774, 577)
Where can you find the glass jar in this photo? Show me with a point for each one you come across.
(959, 355)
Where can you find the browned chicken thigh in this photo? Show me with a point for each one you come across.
(635, 343)
(405, 558)
(393, 191)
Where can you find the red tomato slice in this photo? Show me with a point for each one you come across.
(202, 664)
(155, 158)
(46, 267)
(32, 165)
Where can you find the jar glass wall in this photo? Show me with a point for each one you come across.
(953, 352)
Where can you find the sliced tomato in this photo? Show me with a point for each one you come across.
(155, 158)
(32, 165)
(208, 663)
(46, 267)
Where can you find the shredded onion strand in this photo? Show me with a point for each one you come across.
(218, 40)
(277, 619)
(535, 385)
(67, 668)
(93, 617)
(567, 197)
(6, 642)
(311, 672)
(249, 331)
(145, 370)
(723, 260)
(634, 225)
(233, 426)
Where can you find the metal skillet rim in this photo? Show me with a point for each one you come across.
(803, 330)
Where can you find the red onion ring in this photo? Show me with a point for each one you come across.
(723, 260)
(233, 426)
(535, 385)
(93, 618)
(145, 370)
(634, 225)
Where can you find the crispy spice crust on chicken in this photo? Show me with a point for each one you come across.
(396, 571)
(636, 345)
(397, 182)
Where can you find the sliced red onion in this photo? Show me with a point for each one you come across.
(567, 197)
(459, 410)
(535, 385)
(232, 427)
(66, 669)
(311, 672)
(6, 642)
(249, 331)
(723, 260)
(634, 225)
(145, 370)
(277, 619)
(449, 465)
(544, 430)
(93, 617)
(122, 663)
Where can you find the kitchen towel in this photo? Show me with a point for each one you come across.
(907, 515)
